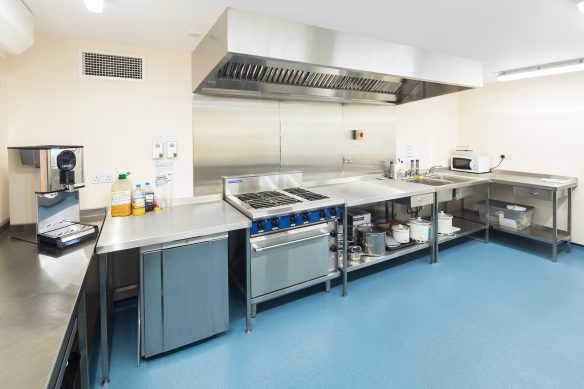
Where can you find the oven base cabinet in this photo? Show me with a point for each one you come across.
(184, 295)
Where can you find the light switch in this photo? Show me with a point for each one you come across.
(171, 151)
(157, 149)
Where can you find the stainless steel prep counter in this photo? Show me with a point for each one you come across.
(372, 190)
(539, 187)
(201, 217)
(40, 290)
(356, 191)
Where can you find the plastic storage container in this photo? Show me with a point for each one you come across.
(122, 196)
(138, 201)
(505, 217)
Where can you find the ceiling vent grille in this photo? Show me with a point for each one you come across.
(111, 66)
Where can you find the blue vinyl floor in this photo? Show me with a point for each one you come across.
(486, 316)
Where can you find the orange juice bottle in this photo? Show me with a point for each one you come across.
(138, 201)
(122, 196)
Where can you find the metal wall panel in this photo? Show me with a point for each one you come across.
(233, 137)
(238, 136)
(378, 145)
(310, 134)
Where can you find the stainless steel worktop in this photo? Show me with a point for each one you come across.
(372, 190)
(209, 216)
(531, 180)
(39, 289)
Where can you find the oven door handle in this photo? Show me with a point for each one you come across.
(260, 249)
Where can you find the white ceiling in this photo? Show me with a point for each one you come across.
(503, 34)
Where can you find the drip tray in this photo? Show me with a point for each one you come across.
(69, 235)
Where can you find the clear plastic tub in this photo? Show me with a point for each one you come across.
(501, 215)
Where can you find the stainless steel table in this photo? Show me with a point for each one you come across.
(540, 187)
(42, 308)
(201, 217)
(361, 191)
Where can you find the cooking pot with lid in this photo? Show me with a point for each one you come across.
(444, 223)
(400, 233)
(371, 239)
(420, 229)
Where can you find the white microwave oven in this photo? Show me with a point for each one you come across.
(470, 163)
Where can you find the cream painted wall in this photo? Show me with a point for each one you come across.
(431, 127)
(540, 122)
(48, 103)
(4, 213)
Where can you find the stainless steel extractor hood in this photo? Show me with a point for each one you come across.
(250, 55)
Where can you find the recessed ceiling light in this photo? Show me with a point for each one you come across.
(95, 6)
(580, 5)
(542, 70)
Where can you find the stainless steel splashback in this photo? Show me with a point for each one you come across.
(250, 55)
(234, 137)
(257, 183)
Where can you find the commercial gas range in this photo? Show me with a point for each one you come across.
(292, 242)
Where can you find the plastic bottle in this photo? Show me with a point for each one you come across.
(138, 201)
(148, 197)
(122, 196)
(159, 202)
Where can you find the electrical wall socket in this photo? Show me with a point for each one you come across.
(508, 156)
(102, 178)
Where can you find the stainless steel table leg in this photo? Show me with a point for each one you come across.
(555, 226)
(487, 222)
(139, 316)
(434, 245)
(103, 312)
(82, 338)
(327, 286)
(248, 304)
(569, 241)
(345, 251)
(254, 310)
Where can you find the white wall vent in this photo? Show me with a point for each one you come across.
(111, 66)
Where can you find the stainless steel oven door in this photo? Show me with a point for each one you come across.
(288, 258)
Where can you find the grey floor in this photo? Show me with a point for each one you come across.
(486, 316)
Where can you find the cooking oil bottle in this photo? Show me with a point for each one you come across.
(138, 201)
(122, 196)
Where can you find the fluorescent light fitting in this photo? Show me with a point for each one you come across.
(580, 5)
(95, 6)
(542, 70)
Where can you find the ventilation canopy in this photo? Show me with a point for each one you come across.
(249, 55)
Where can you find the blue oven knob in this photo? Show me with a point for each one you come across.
(333, 213)
(275, 223)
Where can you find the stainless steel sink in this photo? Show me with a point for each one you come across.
(440, 180)
(430, 181)
(451, 179)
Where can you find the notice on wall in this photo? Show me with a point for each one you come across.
(409, 152)
(164, 179)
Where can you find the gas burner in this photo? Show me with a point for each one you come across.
(266, 199)
(305, 194)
